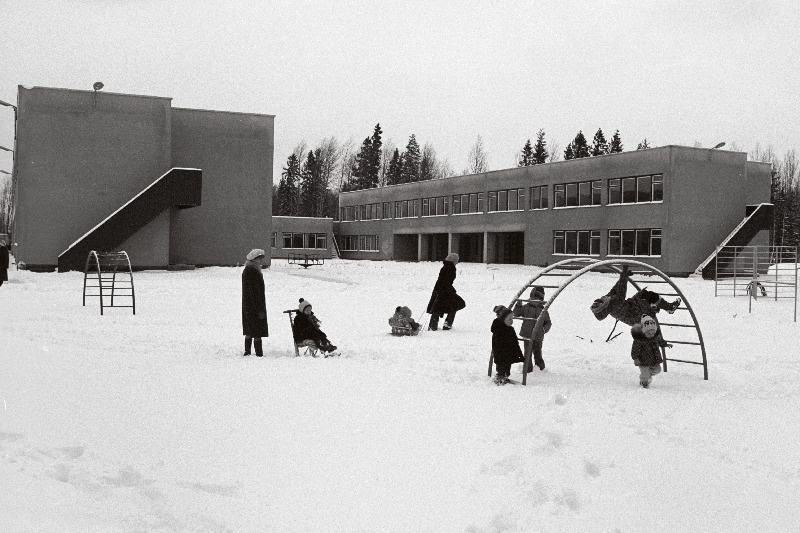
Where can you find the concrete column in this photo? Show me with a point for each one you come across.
(449, 242)
(485, 246)
(419, 247)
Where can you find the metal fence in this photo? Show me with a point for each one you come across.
(757, 272)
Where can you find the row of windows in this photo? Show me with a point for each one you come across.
(507, 200)
(359, 243)
(629, 242)
(576, 194)
(636, 189)
(317, 241)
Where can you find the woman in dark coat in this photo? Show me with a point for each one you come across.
(254, 303)
(3, 261)
(444, 300)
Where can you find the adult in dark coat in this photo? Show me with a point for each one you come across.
(3, 261)
(254, 303)
(444, 300)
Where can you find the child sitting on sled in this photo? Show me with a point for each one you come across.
(646, 348)
(629, 311)
(402, 323)
(306, 327)
(505, 346)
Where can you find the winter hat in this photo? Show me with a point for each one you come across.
(255, 252)
(537, 290)
(649, 325)
(452, 257)
(405, 311)
(303, 305)
(501, 311)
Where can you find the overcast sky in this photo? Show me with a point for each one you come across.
(674, 72)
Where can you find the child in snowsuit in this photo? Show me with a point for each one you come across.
(306, 327)
(402, 323)
(530, 313)
(629, 311)
(505, 346)
(646, 348)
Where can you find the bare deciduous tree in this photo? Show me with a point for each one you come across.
(477, 160)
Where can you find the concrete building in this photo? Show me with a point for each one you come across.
(108, 171)
(300, 236)
(668, 206)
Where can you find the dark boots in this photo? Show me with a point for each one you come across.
(248, 343)
(259, 352)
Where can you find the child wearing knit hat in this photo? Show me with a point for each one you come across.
(505, 346)
(306, 327)
(530, 312)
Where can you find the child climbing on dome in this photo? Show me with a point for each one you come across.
(646, 348)
(631, 309)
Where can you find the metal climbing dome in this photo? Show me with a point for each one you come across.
(559, 275)
(109, 273)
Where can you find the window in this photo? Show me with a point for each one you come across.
(414, 208)
(539, 197)
(596, 192)
(558, 196)
(404, 209)
(439, 205)
(638, 189)
(628, 190)
(576, 242)
(634, 242)
(493, 201)
(349, 243)
(321, 241)
(293, 240)
(481, 203)
(387, 210)
(572, 194)
(457, 204)
(368, 243)
(426, 210)
(272, 239)
(585, 193)
(615, 191)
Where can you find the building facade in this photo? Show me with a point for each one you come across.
(668, 206)
(83, 157)
(301, 235)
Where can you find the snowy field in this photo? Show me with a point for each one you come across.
(155, 422)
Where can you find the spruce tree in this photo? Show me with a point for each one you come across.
(361, 166)
(411, 159)
(526, 156)
(616, 144)
(375, 154)
(310, 192)
(599, 144)
(569, 153)
(393, 175)
(580, 147)
(540, 154)
(287, 188)
(644, 145)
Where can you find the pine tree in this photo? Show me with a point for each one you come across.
(616, 144)
(375, 154)
(599, 144)
(569, 152)
(580, 147)
(526, 156)
(411, 159)
(287, 195)
(540, 154)
(643, 145)
(361, 167)
(310, 191)
(394, 174)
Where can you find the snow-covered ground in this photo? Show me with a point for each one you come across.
(155, 422)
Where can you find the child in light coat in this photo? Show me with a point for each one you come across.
(530, 312)
(402, 323)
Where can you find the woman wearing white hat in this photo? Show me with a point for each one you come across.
(254, 302)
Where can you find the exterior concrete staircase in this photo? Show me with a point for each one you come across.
(757, 218)
(178, 187)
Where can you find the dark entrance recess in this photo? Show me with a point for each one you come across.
(470, 247)
(509, 248)
(405, 247)
(437, 247)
